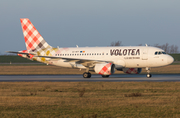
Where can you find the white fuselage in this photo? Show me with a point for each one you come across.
(122, 57)
(101, 60)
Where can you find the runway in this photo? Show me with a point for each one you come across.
(94, 78)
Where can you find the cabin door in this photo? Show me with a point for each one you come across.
(145, 53)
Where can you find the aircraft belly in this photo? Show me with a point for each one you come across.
(136, 63)
(63, 63)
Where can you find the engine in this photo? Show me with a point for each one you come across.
(132, 70)
(104, 68)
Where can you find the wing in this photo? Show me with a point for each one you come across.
(84, 62)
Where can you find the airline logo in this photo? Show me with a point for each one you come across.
(33, 39)
(131, 71)
(124, 52)
(105, 69)
(25, 51)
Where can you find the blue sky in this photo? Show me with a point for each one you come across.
(67, 23)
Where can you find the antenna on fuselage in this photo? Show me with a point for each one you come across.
(77, 46)
(146, 45)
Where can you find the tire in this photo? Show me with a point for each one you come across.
(86, 75)
(149, 75)
(105, 76)
(89, 75)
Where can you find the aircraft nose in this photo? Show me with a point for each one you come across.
(170, 59)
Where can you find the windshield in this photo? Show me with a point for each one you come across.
(159, 52)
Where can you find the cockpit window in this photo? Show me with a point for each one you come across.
(159, 52)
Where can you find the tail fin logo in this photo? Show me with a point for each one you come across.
(33, 39)
(30, 56)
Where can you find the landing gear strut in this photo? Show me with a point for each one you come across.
(148, 72)
(87, 75)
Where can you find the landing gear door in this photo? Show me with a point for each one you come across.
(145, 53)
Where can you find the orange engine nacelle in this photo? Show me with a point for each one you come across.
(104, 68)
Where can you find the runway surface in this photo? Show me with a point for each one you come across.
(94, 78)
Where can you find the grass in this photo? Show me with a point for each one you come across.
(176, 57)
(100, 99)
(53, 70)
(14, 59)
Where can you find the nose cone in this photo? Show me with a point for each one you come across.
(170, 59)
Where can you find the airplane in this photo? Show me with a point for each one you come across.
(101, 60)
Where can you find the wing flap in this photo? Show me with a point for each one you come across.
(84, 62)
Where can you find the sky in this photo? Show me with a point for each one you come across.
(67, 23)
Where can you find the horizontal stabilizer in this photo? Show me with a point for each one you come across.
(21, 52)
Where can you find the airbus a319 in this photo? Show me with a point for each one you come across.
(101, 60)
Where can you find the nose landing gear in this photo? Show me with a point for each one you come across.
(148, 73)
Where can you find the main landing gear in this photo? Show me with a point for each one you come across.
(87, 75)
(148, 73)
(105, 76)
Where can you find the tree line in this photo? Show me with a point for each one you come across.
(170, 49)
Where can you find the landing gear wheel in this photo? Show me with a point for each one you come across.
(89, 75)
(148, 72)
(149, 75)
(86, 75)
(105, 76)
